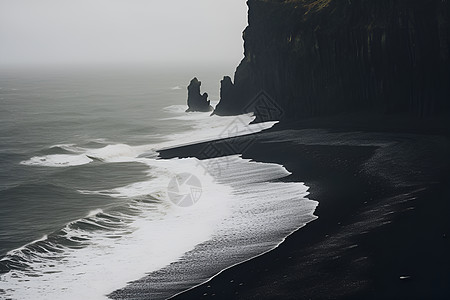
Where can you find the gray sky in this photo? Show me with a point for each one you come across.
(121, 31)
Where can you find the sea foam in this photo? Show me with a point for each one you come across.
(243, 211)
(203, 128)
(93, 256)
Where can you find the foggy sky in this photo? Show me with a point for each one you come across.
(121, 31)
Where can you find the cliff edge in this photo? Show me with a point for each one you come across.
(326, 57)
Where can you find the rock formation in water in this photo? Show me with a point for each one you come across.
(227, 92)
(197, 101)
(326, 57)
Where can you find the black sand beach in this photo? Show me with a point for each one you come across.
(382, 231)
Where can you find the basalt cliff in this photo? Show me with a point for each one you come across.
(325, 57)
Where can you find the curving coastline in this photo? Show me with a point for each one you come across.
(379, 233)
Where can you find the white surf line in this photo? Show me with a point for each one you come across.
(242, 262)
(14, 251)
(249, 130)
(164, 148)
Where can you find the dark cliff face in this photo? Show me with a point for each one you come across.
(331, 56)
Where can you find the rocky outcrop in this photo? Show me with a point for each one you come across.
(227, 95)
(197, 101)
(326, 57)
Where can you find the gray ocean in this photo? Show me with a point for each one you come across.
(87, 207)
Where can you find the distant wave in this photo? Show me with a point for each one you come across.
(176, 109)
(58, 160)
(63, 149)
(203, 128)
(109, 153)
(208, 128)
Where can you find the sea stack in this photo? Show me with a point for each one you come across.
(197, 101)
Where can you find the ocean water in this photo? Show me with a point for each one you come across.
(86, 206)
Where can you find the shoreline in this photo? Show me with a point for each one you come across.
(336, 255)
(235, 265)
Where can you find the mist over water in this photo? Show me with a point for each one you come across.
(87, 32)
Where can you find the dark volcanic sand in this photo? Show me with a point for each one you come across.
(383, 222)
